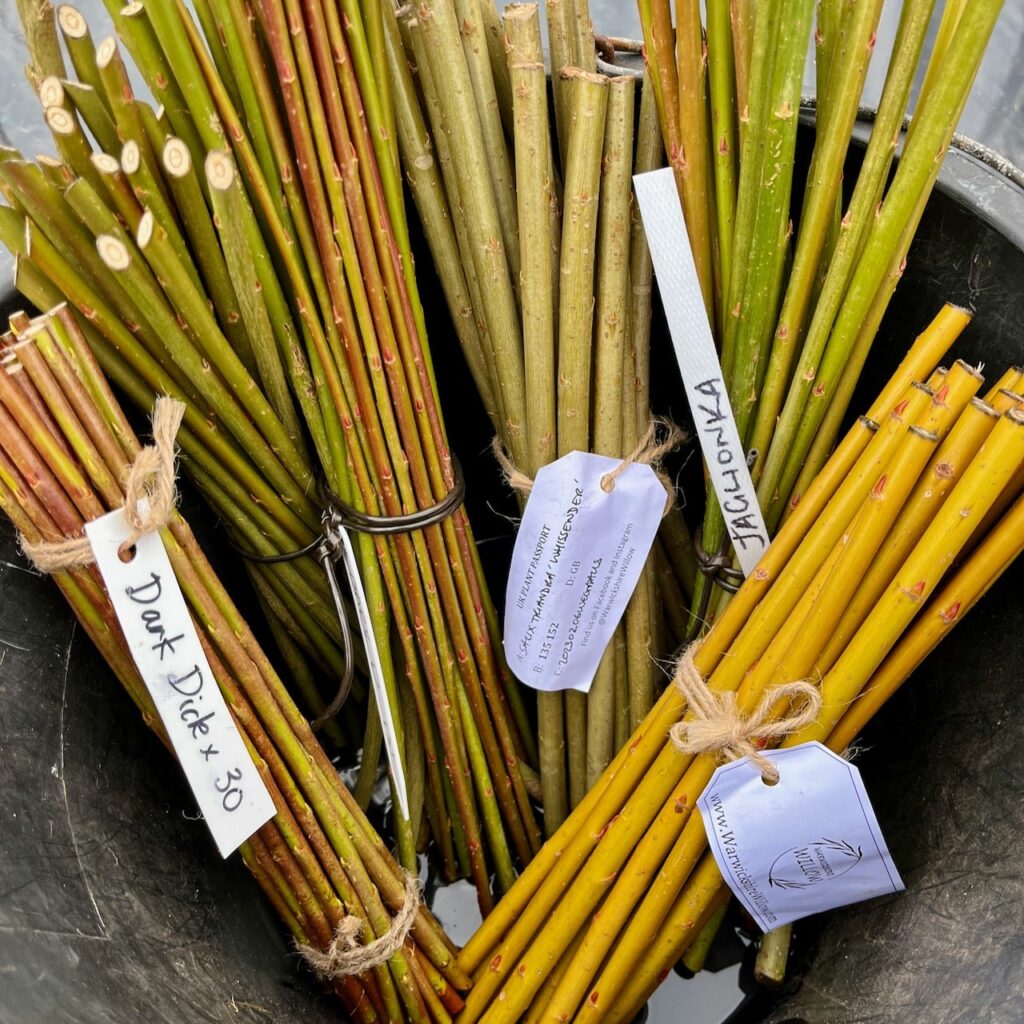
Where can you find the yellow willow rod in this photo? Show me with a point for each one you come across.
(928, 349)
(846, 478)
(837, 476)
(990, 471)
(791, 655)
(592, 883)
(931, 491)
(633, 882)
(844, 473)
(999, 550)
(996, 463)
(956, 599)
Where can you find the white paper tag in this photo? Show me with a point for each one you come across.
(807, 844)
(578, 555)
(387, 720)
(165, 647)
(698, 363)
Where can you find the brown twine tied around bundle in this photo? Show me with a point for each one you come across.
(344, 956)
(649, 451)
(150, 496)
(719, 727)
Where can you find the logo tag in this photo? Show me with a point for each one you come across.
(807, 844)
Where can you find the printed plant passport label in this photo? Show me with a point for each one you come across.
(698, 363)
(165, 647)
(578, 555)
(807, 844)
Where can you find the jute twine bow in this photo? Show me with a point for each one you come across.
(344, 956)
(649, 451)
(150, 477)
(719, 727)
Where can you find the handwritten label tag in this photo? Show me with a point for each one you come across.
(380, 692)
(698, 363)
(577, 558)
(807, 844)
(165, 647)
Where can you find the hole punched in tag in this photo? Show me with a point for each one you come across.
(328, 549)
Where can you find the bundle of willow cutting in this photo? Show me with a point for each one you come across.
(243, 248)
(548, 281)
(65, 449)
(795, 318)
(849, 594)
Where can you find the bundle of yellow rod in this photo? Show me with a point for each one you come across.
(850, 593)
(243, 247)
(65, 451)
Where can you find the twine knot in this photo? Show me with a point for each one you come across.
(150, 496)
(649, 451)
(344, 956)
(718, 725)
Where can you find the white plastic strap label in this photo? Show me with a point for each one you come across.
(698, 363)
(578, 556)
(807, 844)
(387, 721)
(165, 647)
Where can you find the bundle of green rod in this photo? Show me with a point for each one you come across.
(548, 281)
(795, 317)
(913, 518)
(65, 450)
(243, 248)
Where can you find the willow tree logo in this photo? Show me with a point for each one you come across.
(813, 863)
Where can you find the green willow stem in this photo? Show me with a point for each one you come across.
(114, 76)
(694, 157)
(741, 20)
(611, 325)
(136, 32)
(724, 135)
(582, 190)
(187, 190)
(848, 68)
(80, 47)
(427, 189)
(455, 94)
(490, 735)
(72, 145)
(230, 215)
(762, 222)
(563, 55)
(533, 163)
(41, 39)
(94, 113)
(494, 35)
(887, 242)
(478, 63)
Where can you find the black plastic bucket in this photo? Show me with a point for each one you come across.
(115, 909)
